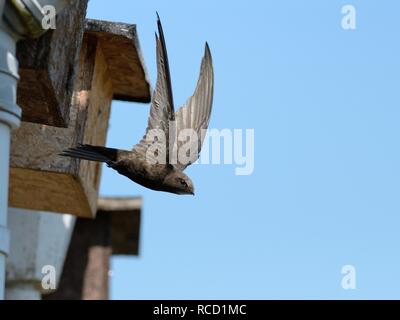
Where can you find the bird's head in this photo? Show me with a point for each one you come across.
(179, 183)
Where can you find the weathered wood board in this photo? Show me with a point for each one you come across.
(42, 180)
(47, 68)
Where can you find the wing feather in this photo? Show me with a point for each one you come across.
(162, 105)
(195, 113)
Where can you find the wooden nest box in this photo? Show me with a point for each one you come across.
(108, 66)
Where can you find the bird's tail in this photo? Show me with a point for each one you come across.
(93, 153)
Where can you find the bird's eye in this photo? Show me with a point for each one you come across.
(183, 182)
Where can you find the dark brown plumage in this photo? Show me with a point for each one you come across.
(142, 165)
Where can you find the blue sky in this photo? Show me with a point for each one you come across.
(324, 104)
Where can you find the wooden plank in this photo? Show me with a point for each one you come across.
(124, 58)
(45, 191)
(40, 179)
(48, 66)
(125, 215)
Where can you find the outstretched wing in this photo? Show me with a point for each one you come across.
(195, 115)
(162, 107)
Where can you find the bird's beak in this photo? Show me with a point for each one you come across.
(192, 193)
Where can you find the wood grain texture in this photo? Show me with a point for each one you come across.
(124, 58)
(47, 68)
(40, 179)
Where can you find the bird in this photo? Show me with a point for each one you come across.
(153, 162)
